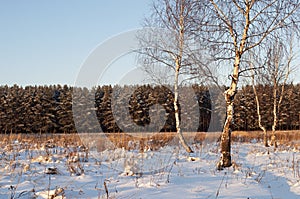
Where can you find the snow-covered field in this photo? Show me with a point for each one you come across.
(52, 171)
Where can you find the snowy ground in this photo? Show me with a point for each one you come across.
(50, 171)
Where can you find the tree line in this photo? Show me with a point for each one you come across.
(48, 109)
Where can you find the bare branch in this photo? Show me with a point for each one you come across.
(242, 11)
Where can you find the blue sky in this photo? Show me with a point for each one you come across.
(46, 42)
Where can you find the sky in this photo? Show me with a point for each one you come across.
(46, 42)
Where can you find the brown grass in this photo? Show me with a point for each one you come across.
(142, 140)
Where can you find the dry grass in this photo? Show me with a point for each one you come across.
(142, 140)
(289, 138)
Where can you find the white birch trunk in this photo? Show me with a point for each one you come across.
(178, 59)
(265, 133)
(225, 160)
(273, 137)
(176, 108)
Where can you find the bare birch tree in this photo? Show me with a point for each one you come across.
(279, 67)
(257, 101)
(170, 47)
(231, 29)
(275, 68)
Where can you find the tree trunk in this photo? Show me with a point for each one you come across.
(273, 137)
(266, 144)
(276, 106)
(265, 133)
(178, 129)
(259, 115)
(225, 160)
(178, 59)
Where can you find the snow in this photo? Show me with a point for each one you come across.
(64, 172)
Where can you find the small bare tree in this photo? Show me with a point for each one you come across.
(231, 29)
(275, 70)
(261, 126)
(171, 46)
(279, 67)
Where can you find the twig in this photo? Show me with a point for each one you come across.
(106, 189)
(218, 191)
